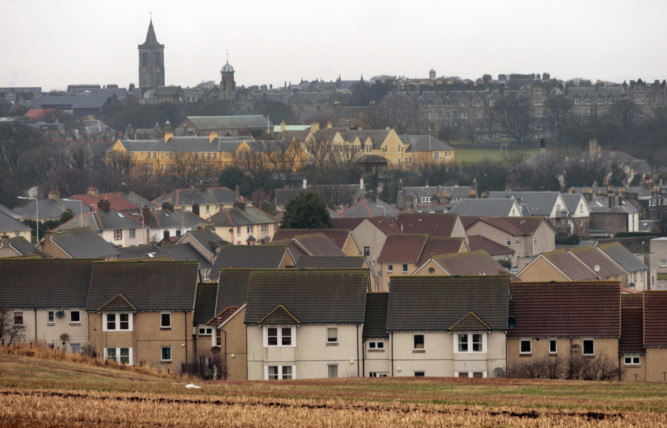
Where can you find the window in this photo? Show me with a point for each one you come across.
(509, 242)
(133, 233)
(279, 336)
(663, 263)
(332, 371)
(553, 346)
(238, 230)
(165, 353)
(205, 331)
(631, 360)
(117, 321)
(405, 267)
(250, 228)
(517, 242)
(534, 241)
(18, 318)
(589, 347)
(436, 155)
(332, 335)
(420, 374)
(265, 228)
(470, 342)
(75, 317)
(390, 267)
(165, 320)
(376, 345)
(418, 341)
(377, 374)
(51, 319)
(117, 234)
(280, 372)
(525, 347)
(119, 355)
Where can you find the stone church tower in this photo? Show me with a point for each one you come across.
(151, 62)
(227, 83)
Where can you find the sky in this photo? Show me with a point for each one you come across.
(52, 44)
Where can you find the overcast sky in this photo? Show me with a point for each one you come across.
(52, 43)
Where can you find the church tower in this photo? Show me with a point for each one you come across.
(151, 62)
(227, 83)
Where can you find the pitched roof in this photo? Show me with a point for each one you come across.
(433, 224)
(632, 331)
(375, 320)
(564, 309)
(482, 207)
(479, 242)
(229, 122)
(369, 208)
(20, 245)
(44, 283)
(424, 143)
(470, 263)
(232, 288)
(152, 286)
(205, 303)
(655, 319)
(83, 242)
(317, 244)
(100, 220)
(331, 262)
(208, 239)
(312, 296)
(337, 236)
(516, 226)
(598, 262)
(248, 256)
(439, 303)
(242, 217)
(403, 248)
(385, 224)
(569, 265)
(537, 203)
(439, 245)
(8, 224)
(346, 223)
(632, 301)
(623, 257)
(208, 196)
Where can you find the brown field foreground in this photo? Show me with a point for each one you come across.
(52, 390)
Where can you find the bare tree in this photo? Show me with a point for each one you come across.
(397, 110)
(10, 330)
(511, 113)
(120, 161)
(318, 151)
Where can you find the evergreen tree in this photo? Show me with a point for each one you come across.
(306, 211)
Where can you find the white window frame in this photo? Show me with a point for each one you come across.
(583, 347)
(332, 339)
(118, 234)
(414, 345)
(133, 233)
(376, 345)
(530, 347)
(162, 349)
(205, 330)
(265, 334)
(555, 342)
(280, 371)
(635, 360)
(105, 318)
(405, 268)
(117, 356)
(390, 267)
(469, 343)
(51, 317)
(162, 325)
(71, 321)
(18, 314)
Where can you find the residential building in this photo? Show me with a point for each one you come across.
(426, 149)
(376, 346)
(485, 208)
(631, 351)
(77, 243)
(637, 271)
(225, 125)
(447, 224)
(448, 326)
(251, 257)
(370, 208)
(17, 247)
(658, 264)
(343, 239)
(600, 263)
(655, 340)
(577, 208)
(13, 228)
(244, 225)
(612, 214)
(462, 264)
(205, 202)
(559, 265)
(432, 198)
(550, 205)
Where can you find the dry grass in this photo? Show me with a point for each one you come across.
(68, 391)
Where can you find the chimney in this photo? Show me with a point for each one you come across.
(610, 201)
(427, 185)
(212, 137)
(329, 125)
(168, 205)
(124, 188)
(314, 127)
(92, 191)
(588, 194)
(362, 186)
(165, 234)
(195, 208)
(54, 195)
(240, 204)
(104, 205)
(304, 185)
(146, 212)
(593, 148)
(283, 126)
(168, 136)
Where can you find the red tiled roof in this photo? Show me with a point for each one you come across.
(632, 333)
(655, 319)
(385, 224)
(598, 261)
(571, 266)
(117, 203)
(471, 263)
(346, 222)
(479, 242)
(565, 309)
(223, 315)
(468, 221)
(433, 224)
(632, 301)
(438, 245)
(40, 113)
(516, 226)
(402, 248)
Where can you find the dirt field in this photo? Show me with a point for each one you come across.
(46, 392)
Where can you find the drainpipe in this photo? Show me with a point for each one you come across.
(185, 326)
(358, 366)
(35, 312)
(391, 338)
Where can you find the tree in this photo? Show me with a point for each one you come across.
(10, 330)
(559, 109)
(306, 211)
(232, 176)
(511, 113)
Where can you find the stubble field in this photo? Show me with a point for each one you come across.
(47, 392)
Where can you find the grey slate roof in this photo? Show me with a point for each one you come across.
(205, 303)
(242, 217)
(375, 322)
(248, 256)
(232, 288)
(572, 201)
(317, 296)
(149, 286)
(83, 243)
(211, 123)
(8, 224)
(482, 207)
(44, 283)
(49, 208)
(537, 203)
(623, 257)
(100, 220)
(331, 262)
(424, 143)
(438, 303)
(369, 208)
(209, 196)
(206, 238)
(21, 245)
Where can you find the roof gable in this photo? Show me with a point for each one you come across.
(280, 315)
(118, 303)
(470, 322)
(403, 248)
(433, 224)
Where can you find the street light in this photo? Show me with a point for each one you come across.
(36, 214)
(80, 203)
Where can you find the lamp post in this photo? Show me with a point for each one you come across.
(36, 214)
(81, 206)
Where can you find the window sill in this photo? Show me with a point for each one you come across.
(74, 323)
(165, 361)
(50, 324)
(553, 354)
(418, 351)
(376, 350)
(525, 354)
(165, 328)
(332, 343)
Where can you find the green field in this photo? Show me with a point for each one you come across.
(46, 392)
(471, 154)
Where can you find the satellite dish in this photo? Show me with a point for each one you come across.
(60, 314)
(596, 268)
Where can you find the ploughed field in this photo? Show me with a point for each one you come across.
(36, 391)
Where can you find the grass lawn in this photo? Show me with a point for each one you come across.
(468, 153)
(45, 392)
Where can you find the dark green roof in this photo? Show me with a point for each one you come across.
(442, 303)
(205, 303)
